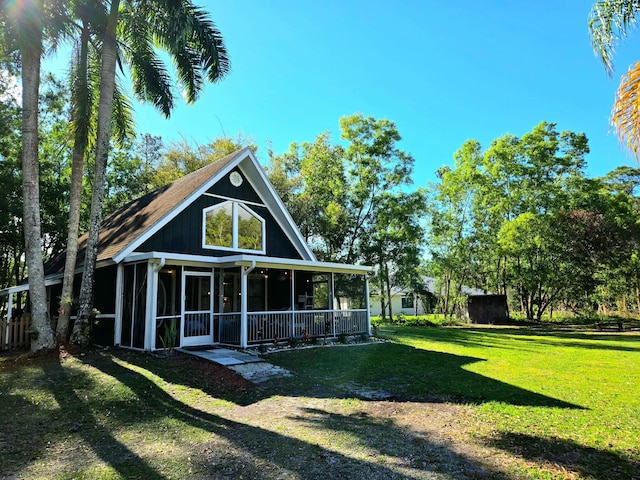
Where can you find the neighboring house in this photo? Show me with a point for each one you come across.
(216, 255)
(408, 302)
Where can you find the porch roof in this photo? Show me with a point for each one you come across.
(244, 260)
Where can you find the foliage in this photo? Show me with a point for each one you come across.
(169, 336)
(611, 21)
(520, 219)
(349, 199)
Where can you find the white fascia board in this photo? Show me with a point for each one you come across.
(120, 256)
(52, 280)
(291, 226)
(247, 260)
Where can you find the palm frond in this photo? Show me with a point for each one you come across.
(123, 124)
(625, 116)
(150, 79)
(609, 22)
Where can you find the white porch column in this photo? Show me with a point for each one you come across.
(151, 307)
(9, 316)
(332, 305)
(243, 308)
(293, 300)
(117, 330)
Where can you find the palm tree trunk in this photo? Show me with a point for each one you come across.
(42, 334)
(81, 122)
(81, 328)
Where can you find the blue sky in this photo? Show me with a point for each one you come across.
(444, 72)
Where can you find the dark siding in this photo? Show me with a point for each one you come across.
(105, 289)
(184, 233)
(244, 192)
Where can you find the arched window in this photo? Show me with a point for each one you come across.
(233, 226)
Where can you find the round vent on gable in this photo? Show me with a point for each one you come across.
(235, 178)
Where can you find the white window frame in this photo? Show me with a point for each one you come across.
(234, 227)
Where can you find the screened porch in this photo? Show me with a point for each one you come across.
(238, 306)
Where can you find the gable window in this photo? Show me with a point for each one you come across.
(233, 226)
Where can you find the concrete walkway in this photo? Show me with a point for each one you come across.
(223, 356)
(251, 367)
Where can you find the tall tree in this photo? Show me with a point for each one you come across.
(609, 22)
(187, 34)
(23, 31)
(86, 12)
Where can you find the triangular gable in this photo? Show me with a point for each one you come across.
(168, 202)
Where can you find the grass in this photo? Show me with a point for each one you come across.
(431, 403)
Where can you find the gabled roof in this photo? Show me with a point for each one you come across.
(128, 227)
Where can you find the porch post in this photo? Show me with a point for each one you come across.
(151, 308)
(9, 315)
(332, 305)
(243, 308)
(117, 331)
(293, 300)
(366, 300)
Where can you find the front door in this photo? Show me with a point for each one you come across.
(197, 308)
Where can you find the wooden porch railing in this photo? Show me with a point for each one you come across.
(14, 332)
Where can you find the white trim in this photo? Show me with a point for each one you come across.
(235, 206)
(291, 228)
(150, 318)
(232, 199)
(117, 334)
(181, 206)
(245, 260)
(25, 286)
(244, 332)
(291, 224)
(200, 339)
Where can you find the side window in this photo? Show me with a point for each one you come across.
(249, 230)
(219, 226)
(233, 226)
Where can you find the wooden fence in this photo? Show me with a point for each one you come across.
(14, 332)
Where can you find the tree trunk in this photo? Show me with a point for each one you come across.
(383, 302)
(447, 291)
(42, 334)
(81, 124)
(387, 281)
(81, 328)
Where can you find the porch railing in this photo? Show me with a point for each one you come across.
(269, 326)
(229, 328)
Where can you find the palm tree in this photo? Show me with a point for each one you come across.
(609, 22)
(197, 49)
(23, 31)
(92, 18)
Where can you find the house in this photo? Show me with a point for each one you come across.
(215, 257)
(410, 302)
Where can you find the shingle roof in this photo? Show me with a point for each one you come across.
(130, 221)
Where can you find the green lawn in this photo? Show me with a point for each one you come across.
(450, 403)
(569, 399)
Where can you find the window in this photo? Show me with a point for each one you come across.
(407, 302)
(233, 226)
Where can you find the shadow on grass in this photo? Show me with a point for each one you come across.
(383, 438)
(518, 338)
(568, 456)
(257, 452)
(97, 435)
(400, 373)
(39, 425)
